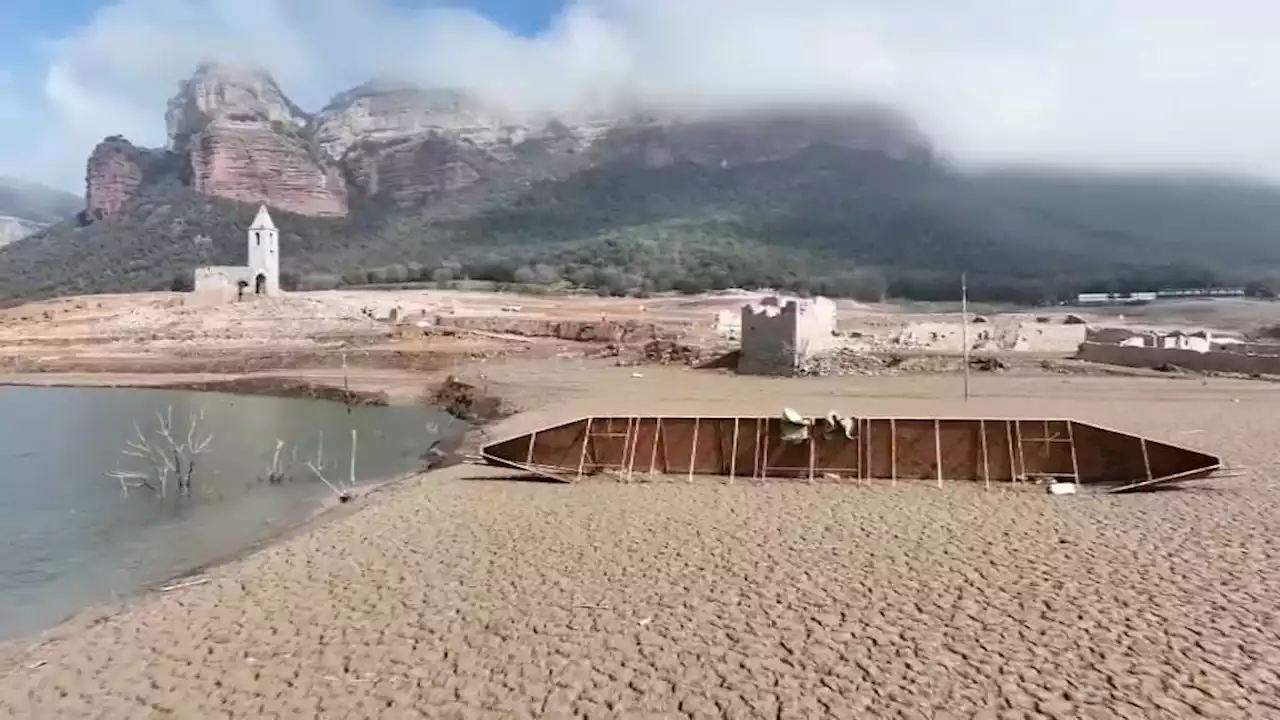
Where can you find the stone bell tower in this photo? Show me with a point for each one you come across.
(264, 255)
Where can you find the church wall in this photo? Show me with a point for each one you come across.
(220, 282)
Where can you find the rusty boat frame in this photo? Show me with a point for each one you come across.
(857, 449)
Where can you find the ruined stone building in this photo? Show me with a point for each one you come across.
(260, 277)
(778, 337)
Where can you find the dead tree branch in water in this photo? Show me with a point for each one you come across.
(167, 457)
(343, 492)
(276, 472)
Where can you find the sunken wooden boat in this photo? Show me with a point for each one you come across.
(852, 449)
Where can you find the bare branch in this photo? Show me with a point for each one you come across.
(343, 495)
(320, 452)
(165, 456)
(275, 472)
(352, 481)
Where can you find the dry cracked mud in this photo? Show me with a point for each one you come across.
(464, 594)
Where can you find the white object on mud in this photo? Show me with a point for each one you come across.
(1063, 488)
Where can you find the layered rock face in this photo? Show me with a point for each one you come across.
(383, 112)
(246, 141)
(114, 177)
(224, 93)
(252, 164)
(412, 146)
(236, 135)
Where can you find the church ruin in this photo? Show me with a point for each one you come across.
(260, 277)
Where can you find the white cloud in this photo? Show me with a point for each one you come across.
(1116, 83)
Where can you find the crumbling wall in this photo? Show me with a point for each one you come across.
(939, 336)
(219, 282)
(625, 332)
(1156, 357)
(1247, 348)
(815, 325)
(727, 324)
(777, 338)
(1111, 335)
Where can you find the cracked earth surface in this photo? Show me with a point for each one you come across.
(453, 596)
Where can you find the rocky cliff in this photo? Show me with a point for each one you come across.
(390, 183)
(235, 134)
(115, 175)
(244, 140)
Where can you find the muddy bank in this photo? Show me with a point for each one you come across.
(226, 362)
(285, 387)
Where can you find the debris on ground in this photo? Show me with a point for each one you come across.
(467, 402)
(843, 361)
(987, 364)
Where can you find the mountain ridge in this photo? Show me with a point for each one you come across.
(27, 208)
(387, 180)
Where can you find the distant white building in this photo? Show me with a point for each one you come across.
(1135, 298)
(260, 277)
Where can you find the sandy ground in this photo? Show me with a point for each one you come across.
(466, 594)
(111, 333)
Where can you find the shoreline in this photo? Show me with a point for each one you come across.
(265, 385)
(327, 509)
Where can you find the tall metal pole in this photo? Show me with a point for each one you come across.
(964, 330)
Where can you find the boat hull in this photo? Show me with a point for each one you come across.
(985, 450)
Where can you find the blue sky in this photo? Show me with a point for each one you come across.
(1119, 84)
(32, 30)
(25, 25)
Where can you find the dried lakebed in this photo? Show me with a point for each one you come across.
(458, 595)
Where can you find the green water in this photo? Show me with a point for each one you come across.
(72, 538)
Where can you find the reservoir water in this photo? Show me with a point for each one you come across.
(71, 537)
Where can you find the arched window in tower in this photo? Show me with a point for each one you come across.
(257, 236)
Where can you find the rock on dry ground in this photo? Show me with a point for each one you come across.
(460, 595)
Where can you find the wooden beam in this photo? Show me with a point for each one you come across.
(1022, 456)
(893, 452)
(764, 452)
(755, 454)
(937, 448)
(866, 472)
(1013, 464)
(533, 439)
(986, 465)
(693, 448)
(1075, 463)
(733, 452)
(626, 449)
(653, 452)
(635, 445)
(586, 440)
(813, 452)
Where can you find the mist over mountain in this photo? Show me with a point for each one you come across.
(27, 207)
(389, 182)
